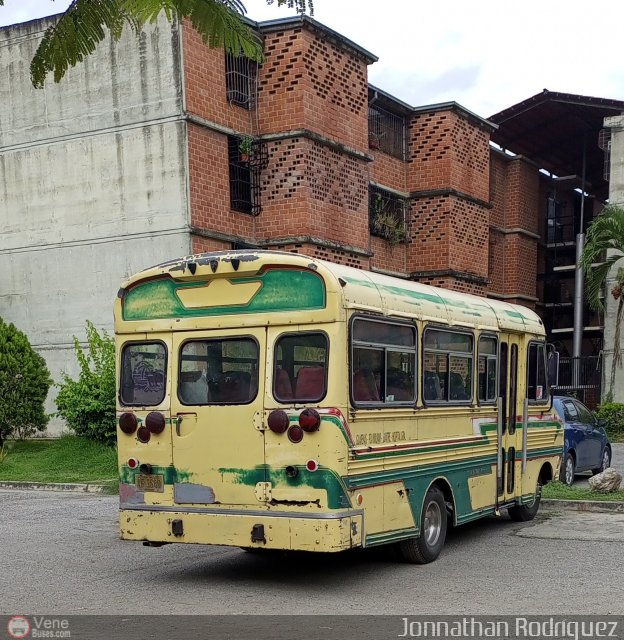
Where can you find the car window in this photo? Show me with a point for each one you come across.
(585, 415)
(570, 410)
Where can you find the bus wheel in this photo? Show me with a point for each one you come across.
(428, 545)
(526, 512)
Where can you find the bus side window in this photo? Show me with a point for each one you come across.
(383, 361)
(537, 389)
(487, 365)
(447, 365)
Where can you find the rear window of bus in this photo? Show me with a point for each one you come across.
(219, 371)
(143, 373)
(300, 370)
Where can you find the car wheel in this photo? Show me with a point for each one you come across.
(567, 470)
(433, 522)
(526, 512)
(605, 462)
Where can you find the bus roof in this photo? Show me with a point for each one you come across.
(255, 281)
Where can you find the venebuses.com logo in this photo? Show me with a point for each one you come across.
(18, 627)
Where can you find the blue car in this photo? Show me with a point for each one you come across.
(586, 447)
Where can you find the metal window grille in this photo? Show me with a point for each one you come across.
(604, 143)
(240, 80)
(386, 132)
(580, 373)
(241, 197)
(387, 214)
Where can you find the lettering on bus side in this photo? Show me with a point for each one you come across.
(379, 437)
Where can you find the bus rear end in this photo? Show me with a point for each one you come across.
(228, 431)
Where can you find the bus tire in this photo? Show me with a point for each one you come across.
(526, 512)
(428, 545)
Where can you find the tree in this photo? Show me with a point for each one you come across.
(85, 22)
(24, 384)
(606, 233)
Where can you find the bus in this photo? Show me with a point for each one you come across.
(268, 400)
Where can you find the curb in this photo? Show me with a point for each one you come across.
(71, 487)
(604, 506)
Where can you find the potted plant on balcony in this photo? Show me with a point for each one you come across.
(387, 223)
(374, 139)
(245, 148)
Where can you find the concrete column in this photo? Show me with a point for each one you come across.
(616, 196)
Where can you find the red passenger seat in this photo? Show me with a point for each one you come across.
(310, 383)
(364, 387)
(283, 385)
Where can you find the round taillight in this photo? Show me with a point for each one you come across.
(155, 422)
(278, 421)
(133, 463)
(312, 465)
(143, 434)
(310, 420)
(128, 423)
(295, 433)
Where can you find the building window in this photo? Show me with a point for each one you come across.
(386, 132)
(241, 75)
(241, 198)
(386, 213)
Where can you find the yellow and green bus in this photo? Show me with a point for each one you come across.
(267, 400)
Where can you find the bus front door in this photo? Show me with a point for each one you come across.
(217, 401)
(509, 421)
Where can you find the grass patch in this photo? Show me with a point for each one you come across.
(560, 491)
(65, 459)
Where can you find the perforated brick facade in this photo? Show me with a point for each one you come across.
(470, 218)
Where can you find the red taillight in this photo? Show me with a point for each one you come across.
(310, 420)
(295, 433)
(278, 421)
(143, 434)
(133, 463)
(128, 423)
(312, 465)
(155, 422)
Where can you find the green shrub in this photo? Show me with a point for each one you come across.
(88, 403)
(613, 414)
(24, 384)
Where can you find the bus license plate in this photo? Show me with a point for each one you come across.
(150, 483)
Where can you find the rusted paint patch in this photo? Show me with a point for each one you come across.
(204, 259)
(189, 493)
(128, 494)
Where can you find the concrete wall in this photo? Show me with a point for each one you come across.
(616, 196)
(92, 182)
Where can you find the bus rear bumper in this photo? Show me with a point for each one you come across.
(326, 533)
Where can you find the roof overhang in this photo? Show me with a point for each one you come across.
(552, 129)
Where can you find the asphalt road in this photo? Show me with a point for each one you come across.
(61, 555)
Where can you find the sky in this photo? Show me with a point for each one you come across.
(485, 54)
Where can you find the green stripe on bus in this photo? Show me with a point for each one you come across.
(281, 290)
(323, 478)
(475, 467)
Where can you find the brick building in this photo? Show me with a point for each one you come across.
(148, 152)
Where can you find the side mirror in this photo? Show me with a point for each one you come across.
(601, 422)
(553, 369)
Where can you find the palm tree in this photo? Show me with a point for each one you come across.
(606, 233)
(85, 22)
